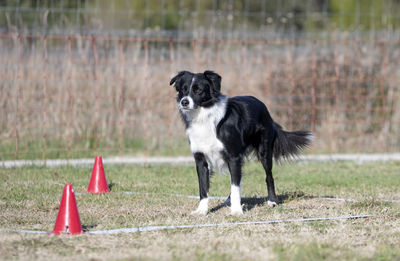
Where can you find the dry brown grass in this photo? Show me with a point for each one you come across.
(71, 96)
(331, 240)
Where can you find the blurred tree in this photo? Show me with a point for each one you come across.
(356, 14)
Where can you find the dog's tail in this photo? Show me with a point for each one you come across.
(288, 144)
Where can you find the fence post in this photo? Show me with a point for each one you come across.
(121, 95)
(267, 73)
(336, 83)
(145, 89)
(313, 83)
(17, 94)
(70, 97)
(219, 56)
(194, 43)
(386, 104)
(383, 75)
(292, 86)
(243, 73)
(96, 91)
(359, 94)
(44, 96)
(171, 56)
(171, 101)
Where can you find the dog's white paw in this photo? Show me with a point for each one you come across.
(201, 212)
(272, 204)
(236, 211)
(202, 209)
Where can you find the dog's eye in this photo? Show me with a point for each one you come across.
(196, 90)
(184, 88)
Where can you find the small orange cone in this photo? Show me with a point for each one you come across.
(68, 217)
(98, 183)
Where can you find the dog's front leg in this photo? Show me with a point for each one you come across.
(203, 174)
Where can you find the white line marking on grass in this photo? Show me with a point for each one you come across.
(359, 158)
(23, 231)
(169, 195)
(154, 228)
(226, 224)
(356, 200)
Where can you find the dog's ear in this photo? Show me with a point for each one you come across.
(215, 79)
(176, 77)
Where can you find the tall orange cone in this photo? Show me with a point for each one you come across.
(68, 217)
(98, 183)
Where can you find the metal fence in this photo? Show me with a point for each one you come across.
(234, 19)
(66, 96)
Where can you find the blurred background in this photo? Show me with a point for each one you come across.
(81, 78)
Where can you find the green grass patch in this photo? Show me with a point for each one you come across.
(30, 197)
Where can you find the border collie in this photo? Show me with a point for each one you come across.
(222, 131)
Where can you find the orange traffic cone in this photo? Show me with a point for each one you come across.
(68, 217)
(98, 182)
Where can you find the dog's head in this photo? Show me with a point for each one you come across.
(196, 90)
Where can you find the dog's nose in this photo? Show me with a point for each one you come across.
(185, 102)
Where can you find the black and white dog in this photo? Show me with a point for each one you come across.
(222, 131)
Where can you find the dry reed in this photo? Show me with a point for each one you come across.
(71, 94)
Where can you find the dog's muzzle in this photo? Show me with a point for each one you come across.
(186, 103)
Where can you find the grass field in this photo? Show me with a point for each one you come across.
(30, 196)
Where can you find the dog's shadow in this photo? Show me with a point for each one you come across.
(86, 228)
(111, 185)
(251, 202)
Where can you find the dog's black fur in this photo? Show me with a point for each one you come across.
(222, 131)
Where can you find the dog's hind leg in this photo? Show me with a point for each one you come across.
(265, 156)
(235, 168)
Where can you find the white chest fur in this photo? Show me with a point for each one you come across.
(202, 134)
